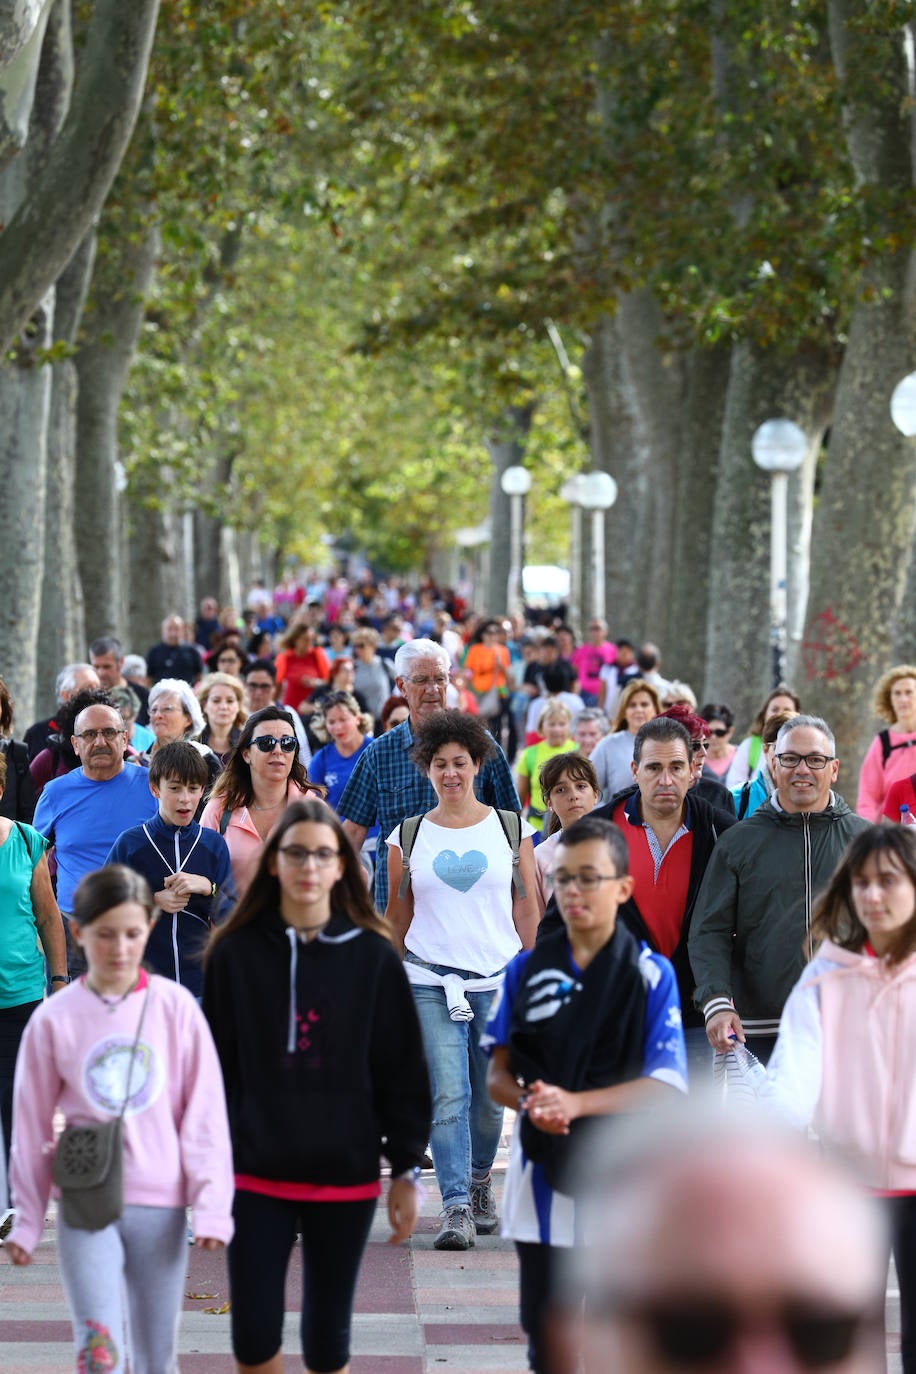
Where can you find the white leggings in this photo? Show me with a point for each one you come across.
(143, 1256)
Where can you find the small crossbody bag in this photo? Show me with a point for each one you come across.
(88, 1163)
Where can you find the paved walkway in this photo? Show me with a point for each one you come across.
(418, 1310)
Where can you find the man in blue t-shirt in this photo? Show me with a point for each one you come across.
(84, 812)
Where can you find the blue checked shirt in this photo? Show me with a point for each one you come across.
(386, 787)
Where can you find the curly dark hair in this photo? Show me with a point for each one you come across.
(452, 727)
(79, 702)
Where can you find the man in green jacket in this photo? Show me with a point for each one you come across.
(748, 939)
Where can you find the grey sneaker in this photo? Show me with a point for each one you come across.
(483, 1206)
(457, 1231)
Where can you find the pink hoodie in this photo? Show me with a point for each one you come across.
(844, 1060)
(74, 1057)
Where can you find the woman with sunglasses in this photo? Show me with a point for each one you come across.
(322, 1056)
(721, 721)
(263, 775)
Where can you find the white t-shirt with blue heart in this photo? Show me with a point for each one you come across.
(461, 882)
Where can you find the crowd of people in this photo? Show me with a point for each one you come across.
(341, 877)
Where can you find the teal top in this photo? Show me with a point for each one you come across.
(22, 964)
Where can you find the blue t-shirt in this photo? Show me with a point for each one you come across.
(22, 965)
(332, 770)
(82, 818)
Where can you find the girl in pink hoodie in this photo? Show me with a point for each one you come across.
(844, 1058)
(76, 1058)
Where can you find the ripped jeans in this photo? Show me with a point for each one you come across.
(466, 1123)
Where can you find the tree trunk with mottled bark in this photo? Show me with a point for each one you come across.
(864, 523)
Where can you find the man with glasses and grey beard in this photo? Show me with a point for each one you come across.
(722, 1244)
(747, 942)
(84, 812)
(385, 786)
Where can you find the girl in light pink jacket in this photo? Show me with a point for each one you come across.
(81, 1052)
(845, 1054)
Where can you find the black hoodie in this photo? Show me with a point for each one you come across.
(321, 1052)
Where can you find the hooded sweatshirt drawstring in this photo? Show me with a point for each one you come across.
(293, 967)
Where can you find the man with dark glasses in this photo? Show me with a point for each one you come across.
(726, 1246)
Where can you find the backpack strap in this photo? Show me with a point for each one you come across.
(224, 819)
(887, 748)
(407, 835)
(745, 801)
(511, 823)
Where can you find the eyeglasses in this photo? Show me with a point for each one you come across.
(158, 710)
(718, 731)
(268, 743)
(427, 681)
(585, 882)
(694, 1333)
(258, 686)
(697, 745)
(109, 734)
(816, 762)
(298, 856)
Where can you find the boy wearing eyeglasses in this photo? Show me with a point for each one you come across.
(187, 867)
(587, 1024)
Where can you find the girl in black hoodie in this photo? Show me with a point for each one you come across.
(323, 1063)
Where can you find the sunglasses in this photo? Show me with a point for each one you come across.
(268, 743)
(694, 1333)
(718, 731)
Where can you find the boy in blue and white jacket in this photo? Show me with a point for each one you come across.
(186, 866)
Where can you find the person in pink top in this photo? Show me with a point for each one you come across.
(264, 773)
(843, 1060)
(588, 658)
(80, 1055)
(890, 756)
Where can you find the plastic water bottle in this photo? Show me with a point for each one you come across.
(906, 815)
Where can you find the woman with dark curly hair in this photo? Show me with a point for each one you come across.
(263, 775)
(461, 904)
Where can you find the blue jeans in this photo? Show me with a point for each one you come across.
(466, 1123)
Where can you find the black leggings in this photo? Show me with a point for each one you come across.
(12, 1024)
(903, 1243)
(334, 1236)
(538, 1266)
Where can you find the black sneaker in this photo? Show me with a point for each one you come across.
(483, 1206)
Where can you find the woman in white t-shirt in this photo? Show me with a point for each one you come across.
(462, 910)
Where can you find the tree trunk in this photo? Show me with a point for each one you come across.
(617, 450)
(700, 416)
(25, 395)
(864, 524)
(507, 449)
(111, 328)
(155, 578)
(39, 240)
(62, 628)
(761, 386)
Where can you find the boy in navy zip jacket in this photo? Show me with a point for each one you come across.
(186, 866)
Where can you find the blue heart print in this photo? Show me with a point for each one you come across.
(460, 871)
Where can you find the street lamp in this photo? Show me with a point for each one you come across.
(903, 406)
(597, 493)
(570, 492)
(516, 483)
(778, 447)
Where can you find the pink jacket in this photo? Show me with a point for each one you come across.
(876, 776)
(73, 1058)
(844, 1061)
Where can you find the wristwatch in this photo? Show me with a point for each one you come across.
(408, 1176)
(59, 978)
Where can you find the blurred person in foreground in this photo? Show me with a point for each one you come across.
(721, 1244)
